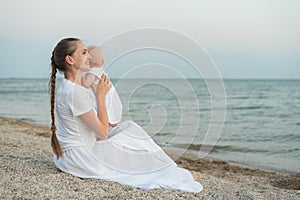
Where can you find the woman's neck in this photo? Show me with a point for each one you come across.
(74, 77)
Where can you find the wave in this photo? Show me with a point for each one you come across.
(242, 97)
(287, 137)
(197, 147)
(294, 152)
(250, 107)
(26, 92)
(219, 148)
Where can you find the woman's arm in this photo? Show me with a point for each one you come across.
(99, 122)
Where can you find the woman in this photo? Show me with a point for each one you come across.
(85, 145)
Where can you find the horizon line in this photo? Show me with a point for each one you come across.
(188, 78)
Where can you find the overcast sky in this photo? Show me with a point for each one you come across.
(246, 39)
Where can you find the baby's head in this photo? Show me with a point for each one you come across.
(96, 54)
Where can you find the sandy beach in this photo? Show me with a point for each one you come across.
(28, 172)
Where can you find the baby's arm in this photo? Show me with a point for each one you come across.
(88, 80)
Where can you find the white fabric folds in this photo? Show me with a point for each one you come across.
(113, 103)
(129, 156)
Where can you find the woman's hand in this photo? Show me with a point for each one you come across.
(102, 89)
(103, 86)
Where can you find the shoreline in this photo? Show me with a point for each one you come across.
(191, 153)
(188, 152)
(27, 171)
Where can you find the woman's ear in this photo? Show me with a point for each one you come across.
(69, 60)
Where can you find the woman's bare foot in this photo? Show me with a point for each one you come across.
(195, 176)
(112, 125)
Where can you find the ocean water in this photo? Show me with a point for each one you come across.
(261, 127)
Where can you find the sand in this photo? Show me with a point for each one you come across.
(27, 172)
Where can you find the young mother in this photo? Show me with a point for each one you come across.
(85, 145)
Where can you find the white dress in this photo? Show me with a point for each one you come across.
(129, 156)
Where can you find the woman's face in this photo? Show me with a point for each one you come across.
(81, 57)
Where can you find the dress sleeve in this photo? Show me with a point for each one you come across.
(80, 101)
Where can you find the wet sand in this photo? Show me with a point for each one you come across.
(27, 172)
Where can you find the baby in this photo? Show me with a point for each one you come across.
(113, 102)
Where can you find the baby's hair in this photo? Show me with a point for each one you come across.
(91, 48)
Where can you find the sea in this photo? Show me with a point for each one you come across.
(260, 126)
